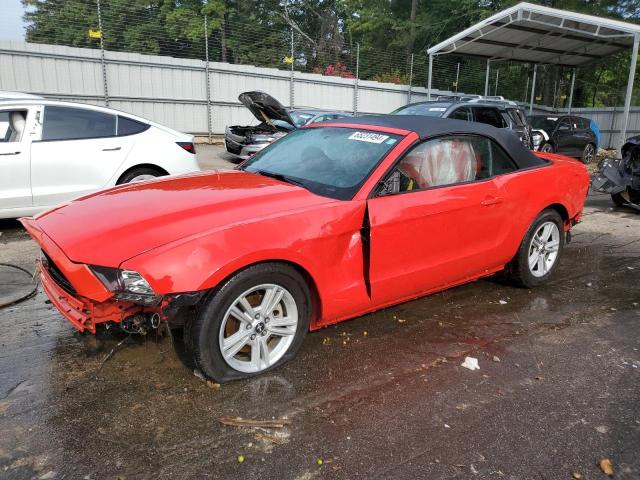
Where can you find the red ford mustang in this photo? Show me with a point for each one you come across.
(330, 222)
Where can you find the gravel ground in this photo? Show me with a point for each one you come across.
(381, 396)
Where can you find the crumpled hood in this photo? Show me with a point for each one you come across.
(109, 227)
(265, 108)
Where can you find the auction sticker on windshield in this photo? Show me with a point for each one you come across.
(368, 137)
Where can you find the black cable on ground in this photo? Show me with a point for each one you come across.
(24, 297)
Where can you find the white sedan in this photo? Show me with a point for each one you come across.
(52, 152)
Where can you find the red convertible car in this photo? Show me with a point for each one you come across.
(332, 221)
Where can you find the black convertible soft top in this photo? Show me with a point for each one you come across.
(428, 127)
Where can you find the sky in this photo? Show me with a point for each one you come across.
(11, 24)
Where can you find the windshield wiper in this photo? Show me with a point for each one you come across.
(281, 177)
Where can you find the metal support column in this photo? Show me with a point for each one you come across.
(486, 78)
(291, 86)
(497, 78)
(355, 83)
(627, 98)
(533, 89)
(429, 77)
(573, 82)
(102, 60)
(207, 80)
(457, 76)
(410, 80)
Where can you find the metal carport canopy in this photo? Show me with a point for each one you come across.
(542, 35)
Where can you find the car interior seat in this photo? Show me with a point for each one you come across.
(17, 123)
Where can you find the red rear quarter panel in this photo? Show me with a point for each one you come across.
(563, 182)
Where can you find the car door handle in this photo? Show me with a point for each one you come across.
(111, 149)
(490, 201)
(10, 153)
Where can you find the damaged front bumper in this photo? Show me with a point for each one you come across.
(83, 299)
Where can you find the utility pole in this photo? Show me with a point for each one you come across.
(102, 60)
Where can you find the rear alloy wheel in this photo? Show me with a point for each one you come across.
(589, 153)
(547, 148)
(140, 175)
(540, 250)
(251, 324)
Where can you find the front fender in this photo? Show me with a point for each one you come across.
(324, 242)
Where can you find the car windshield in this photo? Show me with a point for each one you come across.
(426, 109)
(329, 161)
(542, 122)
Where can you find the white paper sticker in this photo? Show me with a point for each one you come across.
(437, 109)
(368, 137)
(552, 118)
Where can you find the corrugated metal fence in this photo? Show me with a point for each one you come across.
(173, 91)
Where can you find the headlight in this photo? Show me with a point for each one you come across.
(133, 282)
(537, 138)
(128, 285)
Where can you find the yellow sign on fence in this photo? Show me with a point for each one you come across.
(95, 34)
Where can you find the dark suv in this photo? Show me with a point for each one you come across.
(569, 135)
(497, 112)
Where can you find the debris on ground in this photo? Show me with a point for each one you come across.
(243, 422)
(577, 475)
(198, 373)
(496, 358)
(502, 302)
(319, 461)
(277, 438)
(606, 466)
(471, 363)
(213, 385)
(240, 458)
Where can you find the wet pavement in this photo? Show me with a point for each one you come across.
(380, 396)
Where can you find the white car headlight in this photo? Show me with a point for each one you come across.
(132, 282)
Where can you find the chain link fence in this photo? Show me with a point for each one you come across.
(272, 40)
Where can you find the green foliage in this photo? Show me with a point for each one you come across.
(326, 33)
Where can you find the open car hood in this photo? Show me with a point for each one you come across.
(265, 108)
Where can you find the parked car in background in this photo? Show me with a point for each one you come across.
(566, 134)
(332, 221)
(275, 122)
(52, 152)
(494, 111)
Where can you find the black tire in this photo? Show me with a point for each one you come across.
(201, 333)
(618, 199)
(136, 172)
(547, 148)
(589, 153)
(518, 268)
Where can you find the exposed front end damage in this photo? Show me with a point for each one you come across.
(86, 297)
(621, 177)
(244, 141)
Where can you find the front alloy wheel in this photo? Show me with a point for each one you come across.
(258, 328)
(547, 148)
(589, 153)
(251, 323)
